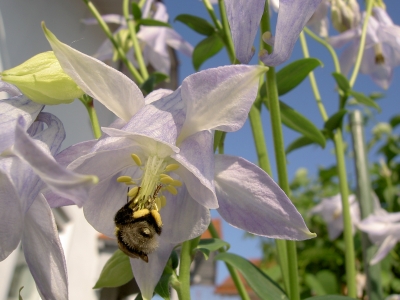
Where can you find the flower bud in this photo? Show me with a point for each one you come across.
(42, 80)
(345, 14)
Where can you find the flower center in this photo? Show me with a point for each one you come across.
(379, 58)
(146, 192)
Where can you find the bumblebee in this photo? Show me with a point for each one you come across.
(137, 230)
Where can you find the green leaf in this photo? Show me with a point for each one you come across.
(328, 280)
(152, 22)
(19, 293)
(205, 49)
(136, 12)
(342, 82)
(154, 79)
(329, 297)
(262, 285)
(314, 285)
(162, 287)
(395, 121)
(335, 120)
(299, 143)
(197, 24)
(361, 98)
(116, 272)
(206, 246)
(296, 121)
(293, 74)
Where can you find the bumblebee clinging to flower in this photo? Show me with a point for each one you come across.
(137, 229)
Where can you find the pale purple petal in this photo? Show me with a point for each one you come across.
(244, 18)
(348, 57)
(11, 217)
(292, 17)
(71, 153)
(249, 199)
(10, 110)
(37, 155)
(382, 16)
(183, 218)
(340, 40)
(43, 251)
(53, 135)
(157, 95)
(109, 18)
(197, 159)
(10, 89)
(107, 85)
(148, 274)
(174, 40)
(387, 245)
(219, 98)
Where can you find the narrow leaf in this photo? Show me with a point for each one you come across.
(197, 24)
(206, 246)
(299, 143)
(116, 272)
(342, 82)
(361, 98)
(329, 297)
(293, 74)
(335, 120)
(152, 22)
(395, 121)
(205, 49)
(314, 285)
(162, 287)
(296, 121)
(136, 12)
(154, 79)
(262, 285)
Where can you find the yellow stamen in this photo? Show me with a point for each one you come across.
(133, 192)
(140, 213)
(176, 183)
(124, 179)
(130, 183)
(171, 189)
(137, 159)
(166, 179)
(266, 36)
(171, 167)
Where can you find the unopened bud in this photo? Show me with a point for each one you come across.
(42, 80)
(345, 14)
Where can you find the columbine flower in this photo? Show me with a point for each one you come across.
(382, 48)
(154, 40)
(164, 152)
(244, 18)
(27, 167)
(383, 229)
(330, 209)
(345, 14)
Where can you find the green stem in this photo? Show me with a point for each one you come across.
(232, 271)
(136, 46)
(109, 34)
(341, 167)
(212, 14)
(347, 231)
(281, 245)
(87, 101)
(227, 33)
(326, 45)
(360, 53)
(184, 271)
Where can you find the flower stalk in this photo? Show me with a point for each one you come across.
(109, 34)
(87, 101)
(184, 271)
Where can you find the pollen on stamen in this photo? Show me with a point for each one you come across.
(171, 189)
(166, 179)
(136, 159)
(124, 179)
(176, 183)
(171, 167)
(133, 191)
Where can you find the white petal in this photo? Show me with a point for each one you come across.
(249, 199)
(384, 249)
(219, 98)
(107, 85)
(43, 251)
(11, 217)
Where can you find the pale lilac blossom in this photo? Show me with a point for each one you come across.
(154, 40)
(382, 48)
(176, 128)
(383, 230)
(27, 168)
(244, 18)
(331, 211)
